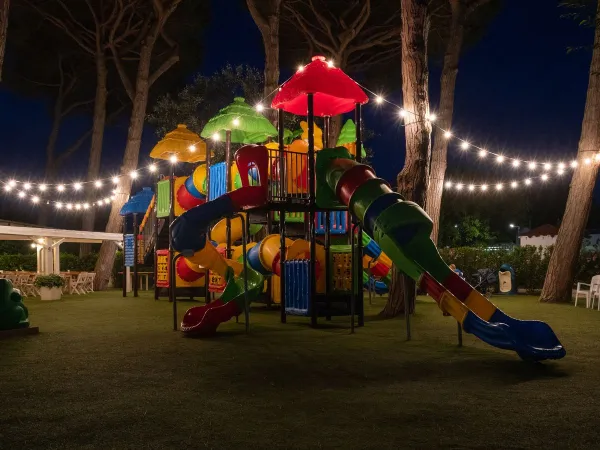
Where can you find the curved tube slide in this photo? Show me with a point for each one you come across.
(402, 230)
(188, 233)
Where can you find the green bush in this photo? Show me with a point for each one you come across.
(49, 281)
(530, 263)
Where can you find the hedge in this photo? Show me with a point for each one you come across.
(530, 263)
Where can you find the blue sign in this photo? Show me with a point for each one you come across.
(129, 256)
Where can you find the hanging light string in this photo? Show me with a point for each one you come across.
(465, 145)
(36, 200)
(13, 183)
(472, 187)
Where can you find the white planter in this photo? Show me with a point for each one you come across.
(47, 293)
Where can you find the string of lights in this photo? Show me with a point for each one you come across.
(36, 200)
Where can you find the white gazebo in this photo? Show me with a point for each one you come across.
(47, 242)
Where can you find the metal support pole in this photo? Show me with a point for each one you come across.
(228, 186)
(155, 234)
(312, 205)
(352, 277)
(459, 334)
(207, 295)
(172, 277)
(124, 267)
(280, 117)
(407, 309)
(136, 280)
(327, 268)
(245, 262)
(172, 296)
(359, 249)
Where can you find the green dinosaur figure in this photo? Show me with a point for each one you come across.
(13, 313)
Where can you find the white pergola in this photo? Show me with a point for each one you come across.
(48, 240)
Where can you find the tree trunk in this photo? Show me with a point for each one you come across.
(561, 268)
(4, 7)
(106, 256)
(413, 179)
(99, 121)
(445, 112)
(268, 24)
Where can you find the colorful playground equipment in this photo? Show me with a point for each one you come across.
(314, 191)
(13, 313)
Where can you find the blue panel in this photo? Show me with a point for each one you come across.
(217, 180)
(297, 289)
(338, 222)
(129, 256)
(139, 203)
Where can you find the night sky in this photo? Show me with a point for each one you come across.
(518, 91)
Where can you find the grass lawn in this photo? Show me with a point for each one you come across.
(108, 372)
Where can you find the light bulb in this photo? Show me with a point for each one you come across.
(560, 171)
(432, 117)
(448, 184)
(98, 183)
(378, 99)
(27, 186)
(60, 188)
(531, 165)
(69, 205)
(587, 161)
(330, 63)
(547, 166)
(465, 145)
(402, 113)
(35, 199)
(7, 187)
(77, 186)
(499, 186)
(514, 184)
(152, 168)
(42, 187)
(86, 206)
(260, 107)
(545, 177)
(12, 183)
(133, 174)
(471, 187)
(107, 200)
(561, 166)
(447, 134)
(173, 159)
(482, 153)
(236, 122)
(484, 187)
(21, 194)
(527, 181)
(216, 137)
(300, 68)
(499, 159)
(459, 186)
(516, 163)
(78, 206)
(59, 205)
(574, 164)
(33, 245)
(115, 180)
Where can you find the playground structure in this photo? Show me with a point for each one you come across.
(323, 189)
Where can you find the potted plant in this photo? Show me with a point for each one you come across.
(49, 286)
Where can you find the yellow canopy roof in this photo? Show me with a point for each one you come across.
(183, 143)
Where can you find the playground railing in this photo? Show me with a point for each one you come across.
(292, 186)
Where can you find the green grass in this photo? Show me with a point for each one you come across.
(108, 372)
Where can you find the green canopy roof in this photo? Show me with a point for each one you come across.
(347, 134)
(247, 125)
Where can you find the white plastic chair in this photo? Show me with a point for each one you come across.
(589, 294)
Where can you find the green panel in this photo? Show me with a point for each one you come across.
(292, 217)
(163, 203)
(326, 197)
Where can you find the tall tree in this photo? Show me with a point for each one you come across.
(413, 179)
(461, 10)
(357, 35)
(4, 8)
(88, 25)
(149, 43)
(267, 16)
(561, 269)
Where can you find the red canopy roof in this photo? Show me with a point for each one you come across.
(334, 91)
